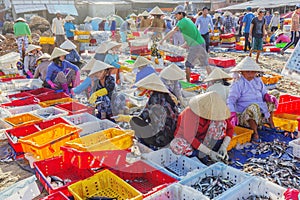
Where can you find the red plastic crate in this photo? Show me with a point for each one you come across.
(175, 58)
(76, 108)
(194, 77)
(227, 35)
(40, 91)
(21, 102)
(56, 167)
(52, 122)
(95, 159)
(54, 96)
(20, 95)
(239, 47)
(56, 196)
(288, 104)
(12, 78)
(143, 177)
(222, 62)
(275, 49)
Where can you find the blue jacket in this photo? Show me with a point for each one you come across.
(83, 86)
(73, 56)
(53, 69)
(69, 26)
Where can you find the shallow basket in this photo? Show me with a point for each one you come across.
(177, 166)
(177, 191)
(286, 122)
(255, 186)
(104, 183)
(296, 147)
(24, 109)
(243, 135)
(218, 169)
(50, 113)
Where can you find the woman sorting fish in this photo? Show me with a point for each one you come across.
(204, 129)
(33, 52)
(249, 103)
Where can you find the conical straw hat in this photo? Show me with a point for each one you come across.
(217, 74)
(32, 47)
(278, 32)
(67, 45)
(58, 52)
(247, 64)
(44, 56)
(227, 13)
(99, 66)
(210, 106)
(102, 48)
(144, 14)
(89, 65)
(69, 18)
(172, 72)
(20, 19)
(130, 21)
(152, 82)
(112, 44)
(156, 11)
(140, 61)
(133, 15)
(88, 19)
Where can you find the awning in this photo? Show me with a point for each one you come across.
(63, 9)
(28, 8)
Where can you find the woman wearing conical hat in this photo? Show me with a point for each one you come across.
(42, 67)
(217, 81)
(69, 27)
(156, 124)
(73, 55)
(32, 53)
(142, 67)
(204, 129)
(62, 74)
(248, 100)
(145, 21)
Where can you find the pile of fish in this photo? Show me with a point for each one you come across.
(256, 197)
(212, 186)
(276, 148)
(57, 182)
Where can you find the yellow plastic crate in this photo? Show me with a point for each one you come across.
(47, 40)
(55, 102)
(84, 41)
(271, 79)
(286, 122)
(46, 143)
(77, 32)
(109, 139)
(104, 183)
(23, 119)
(241, 136)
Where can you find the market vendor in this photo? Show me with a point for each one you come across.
(42, 67)
(171, 76)
(87, 23)
(145, 21)
(32, 53)
(22, 34)
(204, 128)
(102, 89)
(73, 55)
(125, 29)
(156, 124)
(281, 37)
(142, 67)
(61, 73)
(112, 58)
(218, 81)
(249, 102)
(69, 27)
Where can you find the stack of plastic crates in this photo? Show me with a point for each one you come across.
(218, 170)
(176, 166)
(47, 40)
(289, 104)
(20, 102)
(104, 183)
(50, 113)
(139, 47)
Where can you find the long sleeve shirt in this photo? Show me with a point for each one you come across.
(124, 27)
(21, 29)
(73, 56)
(58, 26)
(112, 59)
(275, 21)
(243, 93)
(53, 69)
(68, 27)
(41, 70)
(283, 39)
(203, 24)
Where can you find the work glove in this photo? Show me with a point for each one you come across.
(123, 118)
(52, 85)
(223, 149)
(271, 99)
(214, 156)
(98, 93)
(29, 74)
(234, 119)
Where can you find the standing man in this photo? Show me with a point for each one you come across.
(58, 29)
(246, 25)
(268, 18)
(23, 34)
(193, 40)
(204, 23)
(257, 32)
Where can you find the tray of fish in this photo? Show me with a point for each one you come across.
(216, 180)
(256, 188)
(50, 113)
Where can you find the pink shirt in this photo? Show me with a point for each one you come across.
(283, 39)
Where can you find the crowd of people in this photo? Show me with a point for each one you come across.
(204, 125)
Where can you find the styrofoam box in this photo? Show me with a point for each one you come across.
(255, 186)
(178, 192)
(24, 189)
(27, 84)
(218, 169)
(177, 166)
(53, 111)
(296, 147)
(24, 109)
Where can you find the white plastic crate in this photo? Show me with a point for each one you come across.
(6, 86)
(220, 170)
(172, 49)
(139, 42)
(95, 126)
(4, 99)
(83, 37)
(296, 147)
(24, 109)
(4, 126)
(142, 148)
(255, 186)
(4, 113)
(177, 165)
(81, 118)
(9, 60)
(22, 190)
(139, 101)
(27, 84)
(50, 113)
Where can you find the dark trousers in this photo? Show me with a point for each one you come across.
(274, 28)
(206, 38)
(294, 41)
(247, 43)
